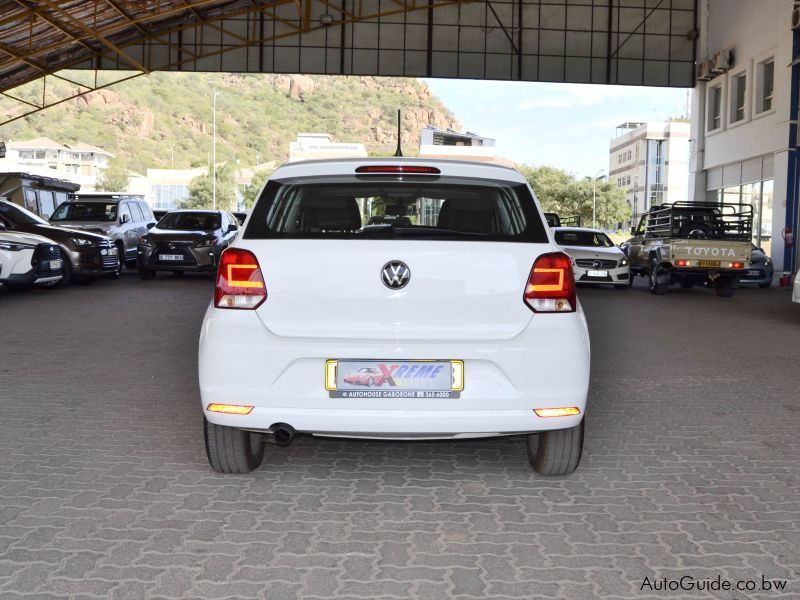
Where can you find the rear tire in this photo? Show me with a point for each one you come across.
(659, 289)
(231, 450)
(725, 291)
(556, 452)
(121, 254)
(146, 274)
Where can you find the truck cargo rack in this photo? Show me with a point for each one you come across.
(554, 220)
(700, 220)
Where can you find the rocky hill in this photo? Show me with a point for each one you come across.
(148, 120)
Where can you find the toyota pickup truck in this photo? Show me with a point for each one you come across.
(691, 243)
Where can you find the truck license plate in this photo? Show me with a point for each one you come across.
(709, 264)
(394, 378)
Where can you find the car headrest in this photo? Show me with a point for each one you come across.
(331, 214)
(472, 215)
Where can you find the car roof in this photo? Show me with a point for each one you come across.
(195, 210)
(589, 229)
(448, 167)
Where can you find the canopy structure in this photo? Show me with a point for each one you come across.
(633, 42)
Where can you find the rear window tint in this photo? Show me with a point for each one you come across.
(408, 207)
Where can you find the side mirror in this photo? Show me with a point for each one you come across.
(124, 219)
(233, 227)
(151, 225)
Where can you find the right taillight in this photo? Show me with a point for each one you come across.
(551, 284)
(240, 283)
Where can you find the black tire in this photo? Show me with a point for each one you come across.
(725, 291)
(659, 289)
(764, 286)
(231, 450)
(556, 452)
(146, 274)
(687, 284)
(121, 255)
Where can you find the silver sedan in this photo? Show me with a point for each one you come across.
(595, 258)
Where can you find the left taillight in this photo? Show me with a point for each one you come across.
(551, 284)
(240, 283)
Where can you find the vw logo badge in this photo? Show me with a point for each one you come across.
(395, 274)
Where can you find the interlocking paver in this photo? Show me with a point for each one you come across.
(691, 467)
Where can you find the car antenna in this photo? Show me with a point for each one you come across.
(399, 151)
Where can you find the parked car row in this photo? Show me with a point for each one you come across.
(97, 235)
(699, 229)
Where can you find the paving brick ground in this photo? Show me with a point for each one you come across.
(691, 467)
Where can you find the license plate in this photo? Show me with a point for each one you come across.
(711, 264)
(754, 273)
(597, 273)
(55, 265)
(170, 257)
(394, 378)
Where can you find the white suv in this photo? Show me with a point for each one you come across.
(395, 299)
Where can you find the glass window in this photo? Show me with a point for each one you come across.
(739, 97)
(765, 216)
(124, 210)
(714, 108)
(86, 211)
(46, 203)
(388, 207)
(136, 212)
(41, 154)
(583, 238)
(190, 221)
(146, 212)
(767, 69)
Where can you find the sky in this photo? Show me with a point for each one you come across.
(563, 125)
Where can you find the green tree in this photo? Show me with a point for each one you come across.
(201, 190)
(114, 178)
(560, 192)
(251, 191)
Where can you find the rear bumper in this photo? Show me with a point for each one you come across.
(545, 366)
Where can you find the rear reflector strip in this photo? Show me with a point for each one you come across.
(229, 409)
(566, 411)
(407, 169)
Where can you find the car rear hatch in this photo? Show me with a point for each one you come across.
(396, 258)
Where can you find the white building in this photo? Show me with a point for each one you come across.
(79, 163)
(650, 161)
(741, 149)
(314, 146)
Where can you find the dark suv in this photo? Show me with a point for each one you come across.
(86, 255)
(186, 240)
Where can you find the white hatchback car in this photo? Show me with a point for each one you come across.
(455, 316)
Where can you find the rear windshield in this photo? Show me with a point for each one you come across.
(389, 207)
(86, 211)
(198, 221)
(583, 238)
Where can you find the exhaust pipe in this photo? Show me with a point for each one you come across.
(282, 434)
